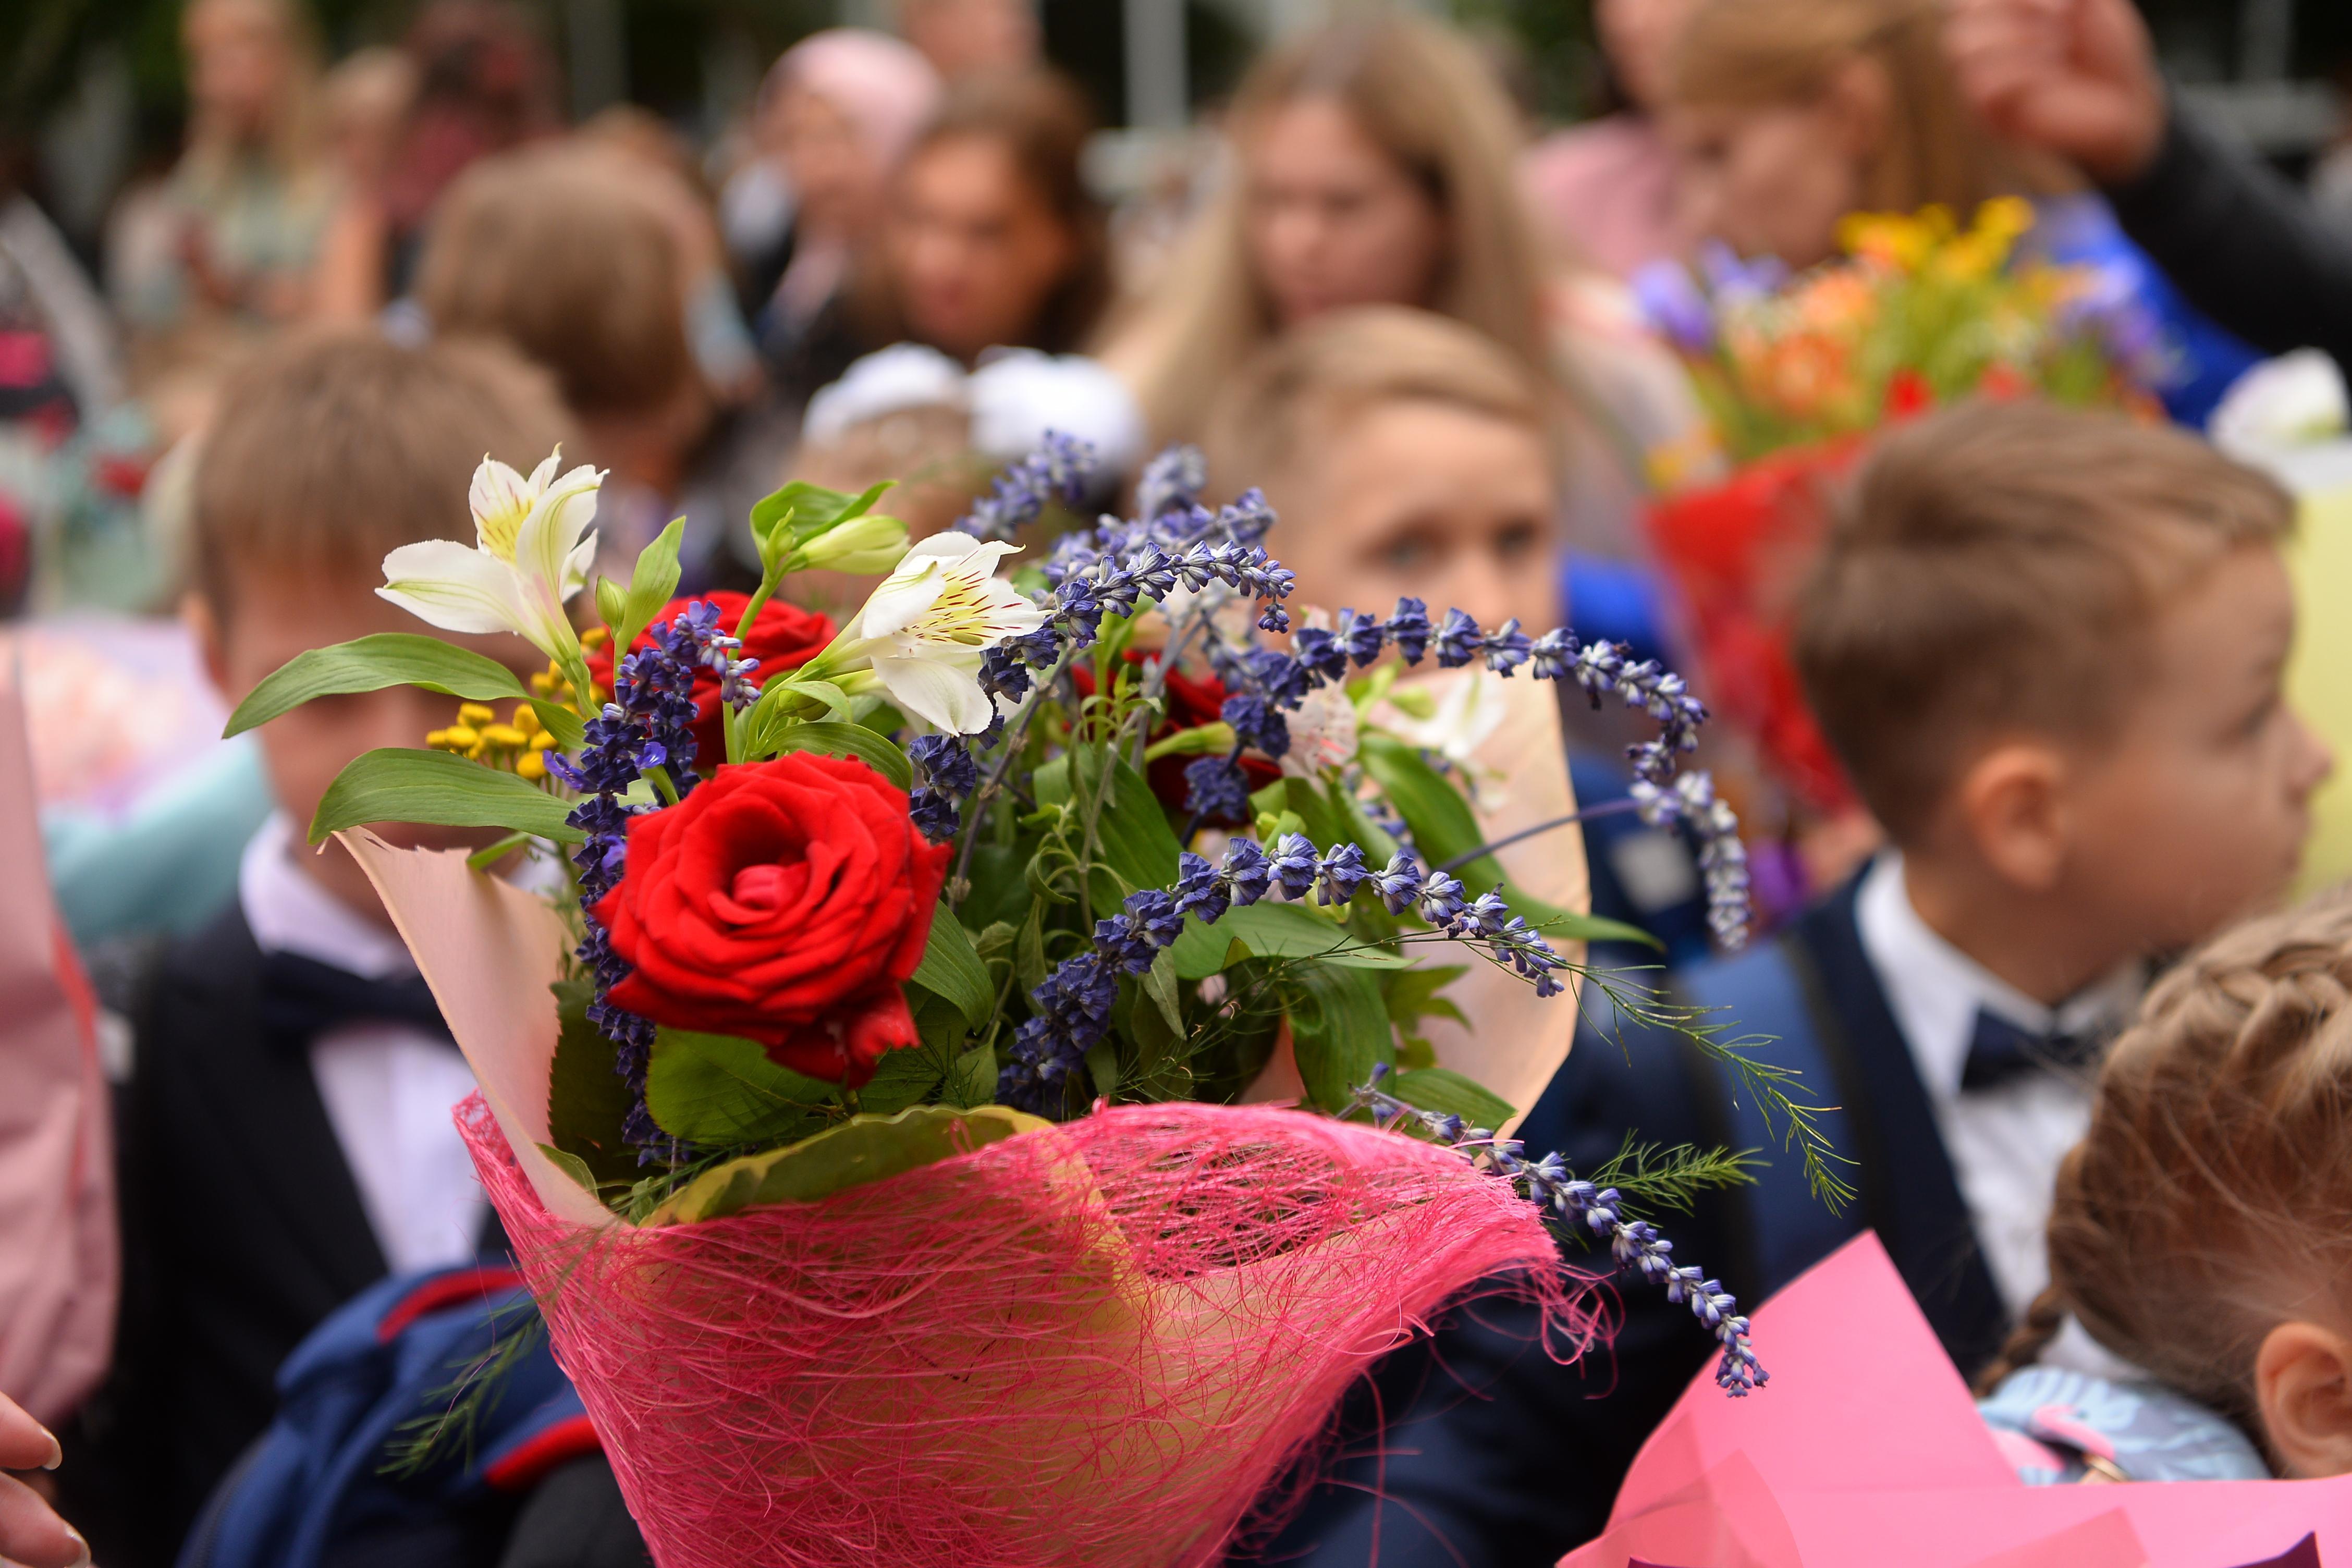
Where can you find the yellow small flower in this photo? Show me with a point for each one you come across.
(2008, 216)
(437, 738)
(504, 737)
(461, 737)
(542, 741)
(526, 718)
(474, 713)
(532, 765)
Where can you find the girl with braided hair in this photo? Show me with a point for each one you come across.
(2202, 1229)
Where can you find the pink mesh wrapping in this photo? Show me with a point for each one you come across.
(1096, 1344)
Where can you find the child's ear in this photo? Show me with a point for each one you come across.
(2303, 1386)
(2012, 805)
(203, 624)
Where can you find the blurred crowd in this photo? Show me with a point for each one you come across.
(1372, 287)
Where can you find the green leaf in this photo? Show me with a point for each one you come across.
(1273, 930)
(809, 510)
(862, 1148)
(831, 738)
(720, 1090)
(1102, 1066)
(372, 664)
(587, 1101)
(1136, 841)
(973, 1080)
(1442, 823)
(1440, 1088)
(1316, 817)
(393, 784)
(1339, 1030)
(650, 585)
(1159, 983)
(952, 969)
(572, 1165)
(901, 1079)
(560, 722)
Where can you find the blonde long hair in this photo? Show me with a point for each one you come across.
(1425, 97)
(1747, 53)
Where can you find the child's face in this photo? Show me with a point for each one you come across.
(1423, 499)
(2200, 809)
(277, 615)
(975, 249)
(1770, 179)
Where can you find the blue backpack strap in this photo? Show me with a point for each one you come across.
(385, 1362)
(1762, 1000)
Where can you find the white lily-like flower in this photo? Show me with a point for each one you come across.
(924, 630)
(1470, 709)
(531, 552)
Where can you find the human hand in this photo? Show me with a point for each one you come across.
(2077, 77)
(30, 1531)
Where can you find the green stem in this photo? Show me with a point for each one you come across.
(1013, 735)
(490, 854)
(659, 779)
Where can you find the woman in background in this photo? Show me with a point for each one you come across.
(1790, 114)
(1374, 165)
(993, 239)
(839, 110)
(223, 251)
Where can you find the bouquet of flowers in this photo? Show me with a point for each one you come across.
(1795, 370)
(887, 1115)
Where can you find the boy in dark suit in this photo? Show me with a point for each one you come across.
(2049, 647)
(286, 1136)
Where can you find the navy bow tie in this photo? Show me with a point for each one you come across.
(2000, 1050)
(303, 998)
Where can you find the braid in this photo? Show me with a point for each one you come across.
(2215, 1182)
(2026, 1342)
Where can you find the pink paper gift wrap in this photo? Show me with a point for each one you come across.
(1866, 1449)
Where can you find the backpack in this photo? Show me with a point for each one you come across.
(315, 1489)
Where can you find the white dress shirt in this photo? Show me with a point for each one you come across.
(388, 1087)
(2005, 1141)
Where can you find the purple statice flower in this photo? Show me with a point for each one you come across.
(1171, 481)
(1735, 281)
(1398, 884)
(1216, 789)
(648, 724)
(1058, 470)
(1634, 1244)
(1296, 865)
(1257, 723)
(1674, 307)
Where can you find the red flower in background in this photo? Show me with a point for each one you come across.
(784, 902)
(1191, 701)
(785, 636)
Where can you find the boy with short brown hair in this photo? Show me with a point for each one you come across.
(287, 1136)
(2050, 645)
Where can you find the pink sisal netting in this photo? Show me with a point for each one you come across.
(1096, 1344)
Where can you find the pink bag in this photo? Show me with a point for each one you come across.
(60, 1253)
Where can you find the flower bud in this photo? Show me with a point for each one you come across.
(868, 543)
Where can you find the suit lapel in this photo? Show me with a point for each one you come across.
(267, 1104)
(1910, 1194)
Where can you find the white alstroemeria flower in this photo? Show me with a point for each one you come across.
(1470, 708)
(531, 552)
(1322, 733)
(925, 628)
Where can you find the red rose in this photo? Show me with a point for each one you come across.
(785, 636)
(782, 902)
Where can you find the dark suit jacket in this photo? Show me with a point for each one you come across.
(242, 1230)
(1496, 1456)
